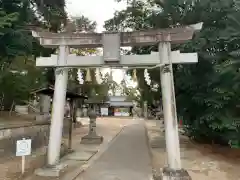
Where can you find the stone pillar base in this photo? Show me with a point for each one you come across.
(171, 174)
(70, 150)
(43, 117)
(50, 171)
(92, 139)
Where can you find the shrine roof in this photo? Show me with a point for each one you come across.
(121, 104)
(97, 100)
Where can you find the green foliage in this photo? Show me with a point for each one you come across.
(18, 80)
(13, 41)
(80, 24)
(18, 74)
(85, 24)
(207, 93)
(52, 12)
(92, 89)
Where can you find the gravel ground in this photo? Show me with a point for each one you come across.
(201, 161)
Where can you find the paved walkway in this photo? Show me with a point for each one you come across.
(127, 158)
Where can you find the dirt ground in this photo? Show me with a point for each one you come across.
(11, 119)
(203, 162)
(10, 168)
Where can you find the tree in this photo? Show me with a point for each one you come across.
(82, 24)
(50, 15)
(207, 93)
(51, 12)
(18, 73)
(19, 80)
(85, 24)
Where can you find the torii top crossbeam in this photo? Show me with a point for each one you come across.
(93, 40)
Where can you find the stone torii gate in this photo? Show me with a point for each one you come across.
(111, 43)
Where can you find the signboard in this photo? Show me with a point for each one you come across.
(23, 147)
(117, 114)
(121, 112)
(125, 114)
(104, 111)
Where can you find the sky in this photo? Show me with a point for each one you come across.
(96, 10)
(99, 11)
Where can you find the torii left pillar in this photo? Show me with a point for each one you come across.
(60, 88)
(53, 166)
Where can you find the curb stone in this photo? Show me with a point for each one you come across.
(156, 174)
(149, 150)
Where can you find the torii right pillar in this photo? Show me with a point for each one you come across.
(174, 171)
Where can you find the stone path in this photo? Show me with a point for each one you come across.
(127, 158)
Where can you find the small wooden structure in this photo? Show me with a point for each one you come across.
(73, 97)
(49, 90)
(120, 106)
